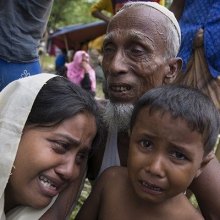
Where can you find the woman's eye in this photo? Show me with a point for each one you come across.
(59, 147)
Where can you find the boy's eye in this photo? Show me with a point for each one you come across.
(178, 155)
(146, 144)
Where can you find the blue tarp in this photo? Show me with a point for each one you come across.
(71, 36)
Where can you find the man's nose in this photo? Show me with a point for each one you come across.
(118, 64)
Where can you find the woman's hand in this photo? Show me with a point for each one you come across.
(85, 63)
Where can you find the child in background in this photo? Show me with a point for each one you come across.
(173, 132)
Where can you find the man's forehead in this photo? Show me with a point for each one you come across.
(138, 28)
(145, 15)
(139, 13)
(129, 35)
(138, 19)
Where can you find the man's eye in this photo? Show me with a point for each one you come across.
(137, 52)
(108, 49)
(178, 155)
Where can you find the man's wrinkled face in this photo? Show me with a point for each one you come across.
(134, 50)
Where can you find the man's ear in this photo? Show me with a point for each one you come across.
(174, 65)
(205, 161)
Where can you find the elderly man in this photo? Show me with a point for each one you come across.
(140, 49)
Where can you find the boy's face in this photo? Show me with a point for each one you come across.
(164, 156)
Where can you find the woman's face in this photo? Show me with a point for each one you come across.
(49, 160)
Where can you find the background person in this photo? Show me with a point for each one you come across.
(80, 72)
(60, 61)
(170, 144)
(200, 30)
(23, 24)
(49, 126)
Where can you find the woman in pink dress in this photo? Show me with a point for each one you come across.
(80, 72)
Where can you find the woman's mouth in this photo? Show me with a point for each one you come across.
(47, 183)
(48, 187)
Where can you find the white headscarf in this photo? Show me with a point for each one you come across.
(16, 101)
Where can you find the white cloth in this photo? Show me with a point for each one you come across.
(16, 101)
(111, 155)
(27, 213)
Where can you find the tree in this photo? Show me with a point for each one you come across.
(66, 12)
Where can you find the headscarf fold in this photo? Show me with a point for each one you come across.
(16, 101)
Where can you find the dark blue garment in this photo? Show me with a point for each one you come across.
(60, 61)
(201, 14)
(12, 71)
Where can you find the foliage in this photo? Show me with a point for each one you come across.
(66, 12)
(85, 193)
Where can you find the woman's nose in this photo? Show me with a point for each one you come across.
(69, 169)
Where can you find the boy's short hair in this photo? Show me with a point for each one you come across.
(187, 103)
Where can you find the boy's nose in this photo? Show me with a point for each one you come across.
(156, 166)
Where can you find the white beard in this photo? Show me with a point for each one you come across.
(118, 115)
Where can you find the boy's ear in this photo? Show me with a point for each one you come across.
(205, 161)
(174, 65)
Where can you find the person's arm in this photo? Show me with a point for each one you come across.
(162, 2)
(100, 15)
(177, 7)
(207, 190)
(102, 5)
(92, 205)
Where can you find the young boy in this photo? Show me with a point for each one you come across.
(173, 132)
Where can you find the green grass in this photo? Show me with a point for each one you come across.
(47, 63)
(84, 194)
